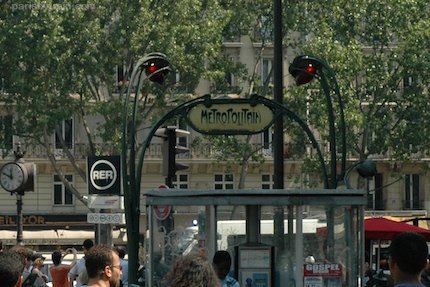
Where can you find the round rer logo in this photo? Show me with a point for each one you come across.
(103, 174)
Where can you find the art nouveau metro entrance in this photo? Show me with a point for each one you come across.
(269, 252)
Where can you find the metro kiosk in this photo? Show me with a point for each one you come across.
(264, 263)
(263, 257)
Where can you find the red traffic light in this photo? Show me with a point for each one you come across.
(304, 69)
(156, 67)
(151, 68)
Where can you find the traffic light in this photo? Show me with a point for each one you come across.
(304, 69)
(157, 67)
(170, 149)
(367, 168)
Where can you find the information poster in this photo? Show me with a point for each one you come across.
(255, 278)
(322, 275)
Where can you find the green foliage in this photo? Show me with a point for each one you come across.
(375, 47)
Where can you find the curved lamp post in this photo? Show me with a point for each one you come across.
(304, 68)
(365, 168)
(155, 67)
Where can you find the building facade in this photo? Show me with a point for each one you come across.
(400, 189)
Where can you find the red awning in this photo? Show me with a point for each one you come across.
(380, 228)
(385, 229)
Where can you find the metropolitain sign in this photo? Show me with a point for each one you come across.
(234, 117)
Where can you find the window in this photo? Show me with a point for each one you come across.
(64, 130)
(224, 181)
(267, 138)
(183, 140)
(412, 191)
(266, 73)
(180, 181)
(266, 181)
(6, 133)
(62, 196)
(407, 82)
(376, 196)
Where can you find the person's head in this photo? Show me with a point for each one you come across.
(122, 251)
(102, 263)
(192, 270)
(222, 263)
(11, 267)
(25, 253)
(408, 256)
(87, 245)
(38, 262)
(56, 257)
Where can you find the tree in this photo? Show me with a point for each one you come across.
(379, 50)
(58, 61)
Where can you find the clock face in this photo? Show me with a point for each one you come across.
(12, 176)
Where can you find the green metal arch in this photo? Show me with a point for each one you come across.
(254, 99)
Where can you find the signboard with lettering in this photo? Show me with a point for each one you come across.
(322, 275)
(104, 175)
(238, 116)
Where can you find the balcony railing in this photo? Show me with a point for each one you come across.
(154, 151)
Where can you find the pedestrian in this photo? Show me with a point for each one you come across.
(408, 257)
(77, 271)
(192, 270)
(425, 275)
(59, 272)
(122, 251)
(11, 267)
(103, 267)
(222, 265)
(27, 257)
(38, 264)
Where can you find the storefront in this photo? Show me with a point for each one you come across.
(47, 232)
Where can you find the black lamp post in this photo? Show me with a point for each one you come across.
(155, 67)
(304, 69)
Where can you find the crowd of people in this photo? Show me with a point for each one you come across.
(22, 267)
(105, 266)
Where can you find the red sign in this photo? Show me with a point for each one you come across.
(162, 211)
(323, 269)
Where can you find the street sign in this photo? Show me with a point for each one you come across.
(162, 211)
(104, 175)
(105, 201)
(106, 218)
(239, 116)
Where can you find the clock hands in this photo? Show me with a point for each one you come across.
(8, 175)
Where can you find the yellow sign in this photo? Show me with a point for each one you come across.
(230, 118)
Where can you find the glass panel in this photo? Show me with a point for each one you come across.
(293, 245)
(58, 194)
(229, 177)
(68, 197)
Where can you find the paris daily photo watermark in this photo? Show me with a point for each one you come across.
(51, 6)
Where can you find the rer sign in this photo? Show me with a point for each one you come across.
(104, 175)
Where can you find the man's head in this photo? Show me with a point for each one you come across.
(11, 266)
(25, 253)
(103, 264)
(408, 256)
(56, 257)
(87, 245)
(122, 251)
(222, 263)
